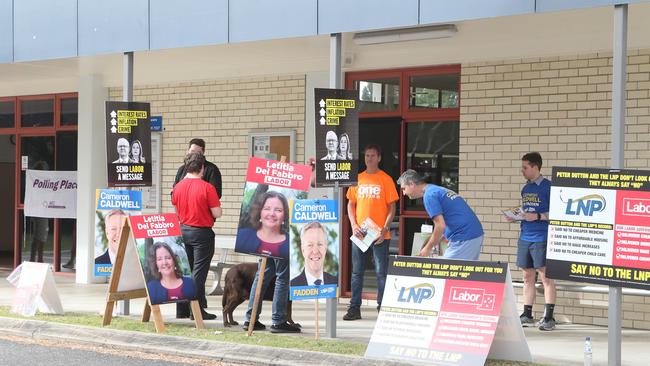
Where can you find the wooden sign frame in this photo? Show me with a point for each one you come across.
(115, 295)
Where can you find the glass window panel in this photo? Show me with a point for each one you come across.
(69, 112)
(39, 151)
(66, 150)
(378, 95)
(37, 113)
(434, 91)
(7, 114)
(432, 149)
(37, 239)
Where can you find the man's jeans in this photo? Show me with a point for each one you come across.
(359, 259)
(279, 268)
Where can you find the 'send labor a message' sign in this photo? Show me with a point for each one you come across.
(599, 226)
(438, 311)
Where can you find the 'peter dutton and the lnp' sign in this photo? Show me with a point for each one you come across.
(337, 137)
(314, 251)
(599, 227)
(449, 312)
(128, 144)
(264, 218)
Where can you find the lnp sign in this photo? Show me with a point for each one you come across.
(337, 137)
(128, 144)
(446, 312)
(599, 227)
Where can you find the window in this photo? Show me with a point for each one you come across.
(7, 114)
(378, 95)
(37, 113)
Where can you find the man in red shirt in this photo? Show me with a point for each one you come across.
(197, 205)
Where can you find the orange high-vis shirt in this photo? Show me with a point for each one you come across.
(373, 194)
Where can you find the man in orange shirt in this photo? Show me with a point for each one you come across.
(374, 197)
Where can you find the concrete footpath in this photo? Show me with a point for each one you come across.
(564, 346)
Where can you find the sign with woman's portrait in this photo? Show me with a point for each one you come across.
(337, 137)
(163, 258)
(264, 217)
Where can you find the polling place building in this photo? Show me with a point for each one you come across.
(459, 90)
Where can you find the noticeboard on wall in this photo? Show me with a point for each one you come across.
(273, 145)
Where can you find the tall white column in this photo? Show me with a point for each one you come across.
(91, 172)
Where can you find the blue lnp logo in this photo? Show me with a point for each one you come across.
(585, 205)
(416, 293)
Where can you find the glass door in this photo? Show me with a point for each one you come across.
(36, 235)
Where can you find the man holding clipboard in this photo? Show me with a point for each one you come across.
(374, 197)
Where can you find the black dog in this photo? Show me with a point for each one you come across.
(237, 287)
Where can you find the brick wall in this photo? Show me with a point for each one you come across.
(223, 112)
(561, 107)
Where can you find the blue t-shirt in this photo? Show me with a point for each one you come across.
(535, 197)
(462, 223)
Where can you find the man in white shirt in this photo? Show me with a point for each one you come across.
(123, 149)
(332, 143)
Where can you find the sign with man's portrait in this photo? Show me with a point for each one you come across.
(112, 206)
(337, 137)
(314, 250)
(128, 144)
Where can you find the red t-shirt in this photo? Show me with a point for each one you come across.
(193, 199)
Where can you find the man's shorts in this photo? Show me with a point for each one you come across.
(464, 249)
(531, 254)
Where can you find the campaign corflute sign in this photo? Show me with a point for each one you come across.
(599, 227)
(337, 137)
(128, 144)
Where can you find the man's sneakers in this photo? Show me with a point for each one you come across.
(526, 321)
(545, 324)
(285, 328)
(257, 326)
(352, 314)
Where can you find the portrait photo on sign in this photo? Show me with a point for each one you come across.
(166, 269)
(264, 220)
(314, 254)
(108, 226)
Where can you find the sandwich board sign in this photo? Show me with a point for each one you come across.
(452, 312)
(35, 289)
(137, 273)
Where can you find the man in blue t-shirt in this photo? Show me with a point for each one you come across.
(531, 248)
(451, 216)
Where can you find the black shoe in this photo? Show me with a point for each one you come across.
(284, 328)
(182, 316)
(205, 315)
(69, 265)
(352, 314)
(258, 325)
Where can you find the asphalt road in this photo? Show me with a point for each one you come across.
(27, 351)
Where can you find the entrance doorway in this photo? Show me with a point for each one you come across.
(413, 114)
(36, 132)
(7, 198)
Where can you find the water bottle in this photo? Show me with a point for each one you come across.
(588, 354)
